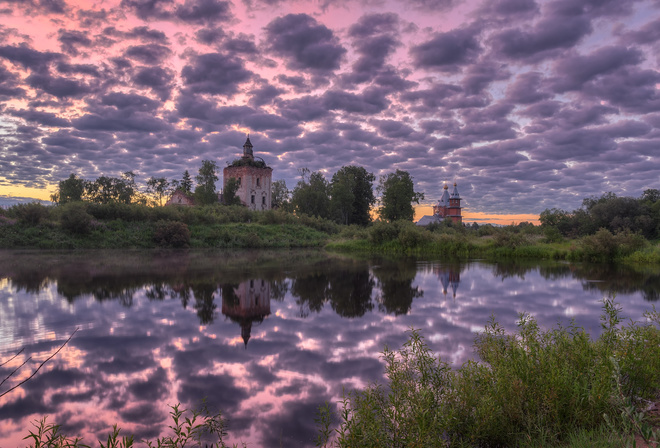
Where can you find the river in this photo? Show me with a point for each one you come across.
(265, 336)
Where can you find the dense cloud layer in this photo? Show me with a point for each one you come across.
(526, 104)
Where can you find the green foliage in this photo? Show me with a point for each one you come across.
(245, 161)
(74, 218)
(186, 182)
(509, 239)
(351, 195)
(171, 234)
(229, 192)
(532, 385)
(159, 187)
(398, 194)
(105, 190)
(311, 195)
(69, 190)
(611, 212)
(30, 214)
(279, 195)
(189, 428)
(205, 192)
(604, 246)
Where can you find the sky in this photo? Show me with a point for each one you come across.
(526, 105)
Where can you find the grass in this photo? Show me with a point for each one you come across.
(192, 428)
(532, 388)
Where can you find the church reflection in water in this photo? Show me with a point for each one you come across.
(450, 277)
(246, 303)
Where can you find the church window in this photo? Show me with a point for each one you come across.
(258, 182)
(252, 199)
(263, 200)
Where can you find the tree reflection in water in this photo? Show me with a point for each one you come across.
(162, 327)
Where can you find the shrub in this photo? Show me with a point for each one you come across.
(604, 246)
(31, 214)
(74, 218)
(381, 232)
(172, 234)
(552, 235)
(532, 385)
(411, 236)
(509, 239)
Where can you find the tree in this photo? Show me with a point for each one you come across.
(398, 194)
(69, 190)
(279, 195)
(186, 183)
(229, 193)
(159, 187)
(651, 195)
(311, 194)
(205, 192)
(352, 195)
(112, 189)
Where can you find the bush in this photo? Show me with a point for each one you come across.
(381, 232)
(411, 236)
(552, 235)
(509, 239)
(74, 218)
(604, 246)
(31, 214)
(532, 385)
(172, 234)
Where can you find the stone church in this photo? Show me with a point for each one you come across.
(254, 179)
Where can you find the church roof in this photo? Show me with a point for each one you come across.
(444, 199)
(454, 194)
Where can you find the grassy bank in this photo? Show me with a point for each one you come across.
(491, 243)
(121, 226)
(106, 226)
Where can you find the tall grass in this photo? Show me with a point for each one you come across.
(534, 385)
(191, 428)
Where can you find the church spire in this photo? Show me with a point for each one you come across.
(247, 149)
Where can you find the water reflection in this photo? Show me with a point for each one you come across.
(246, 303)
(265, 336)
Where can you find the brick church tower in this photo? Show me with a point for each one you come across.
(254, 179)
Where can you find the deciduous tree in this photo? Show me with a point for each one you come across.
(310, 196)
(352, 195)
(398, 194)
(69, 190)
(229, 193)
(279, 195)
(205, 192)
(158, 187)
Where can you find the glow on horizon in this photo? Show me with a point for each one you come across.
(468, 215)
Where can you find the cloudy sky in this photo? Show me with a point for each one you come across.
(525, 104)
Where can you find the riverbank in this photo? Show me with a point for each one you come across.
(121, 226)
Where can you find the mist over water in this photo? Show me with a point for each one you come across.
(264, 336)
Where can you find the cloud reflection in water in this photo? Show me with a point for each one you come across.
(264, 336)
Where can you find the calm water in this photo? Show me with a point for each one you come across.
(265, 336)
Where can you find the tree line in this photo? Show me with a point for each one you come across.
(611, 212)
(347, 198)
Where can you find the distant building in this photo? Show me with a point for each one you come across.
(254, 179)
(180, 198)
(448, 207)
